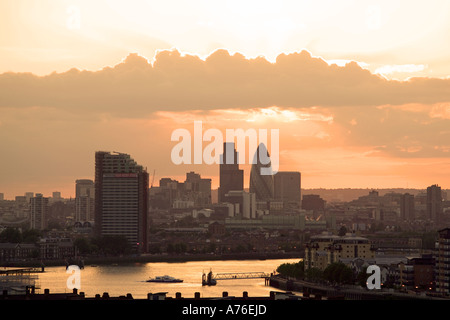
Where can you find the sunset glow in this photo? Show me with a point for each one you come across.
(360, 90)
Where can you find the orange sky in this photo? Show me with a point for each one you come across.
(82, 76)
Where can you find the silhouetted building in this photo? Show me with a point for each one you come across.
(407, 207)
(56, 196)
(261, 179)
(197, 189)
(434, 203)
(231, 177)
(287, 186)
(84, 200)
(121, 198)
(313, 202)
(38, 212)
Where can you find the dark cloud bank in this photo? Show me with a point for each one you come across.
(176, 82)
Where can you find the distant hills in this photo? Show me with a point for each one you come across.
(349, 194)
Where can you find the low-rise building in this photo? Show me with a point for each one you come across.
(56, 248)
(326, 248)
(17, 251)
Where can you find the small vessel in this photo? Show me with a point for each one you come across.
(207, 280)
(165, 278)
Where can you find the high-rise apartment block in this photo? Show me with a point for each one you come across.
(38, 212)
(121, 198)
(434, 204)
(407, 207)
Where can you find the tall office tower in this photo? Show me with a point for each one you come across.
(287, 186)
(442, 269)
(38, 212)
(261, 182)
(434, 203)
(231, 177)
(2, 197)
(84, 200)
(407, 208)
(121, 198)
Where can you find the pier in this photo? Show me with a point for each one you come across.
(242, 275)
(17, 271)
(211, 279)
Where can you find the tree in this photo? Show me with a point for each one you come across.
(11, 235)
(314, 274)
(83, 245)
(338, 272)
(342, 231)
(361, 278)
(31, 235)
(114, 245)
(296, 270)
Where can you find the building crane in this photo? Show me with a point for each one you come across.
(153, 179)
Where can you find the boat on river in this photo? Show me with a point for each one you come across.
(207, 280)
(165, 279)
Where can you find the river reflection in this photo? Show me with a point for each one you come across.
(131, 278)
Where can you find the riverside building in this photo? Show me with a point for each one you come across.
(121, 198)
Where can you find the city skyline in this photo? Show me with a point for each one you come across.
(355, 106)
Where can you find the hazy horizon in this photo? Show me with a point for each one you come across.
(360, 91)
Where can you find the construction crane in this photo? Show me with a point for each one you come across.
(153, 179)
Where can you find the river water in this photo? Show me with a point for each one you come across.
(121, 279)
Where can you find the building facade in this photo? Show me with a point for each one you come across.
(38, 212)
(244, 203)
(84, 200)
(434, 204)
(261, 183)
(287, 188)
(442, 269)
(121, 199)
(407, 207)
(326, 248)
(230, 176)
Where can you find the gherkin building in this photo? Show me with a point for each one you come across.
(261, 177)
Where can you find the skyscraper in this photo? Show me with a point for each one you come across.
(434, 203)
(84, 200)
(261, 183)
(38, 212)
(287, 185)
(121, 198)
(231, 177)
(407, 208)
